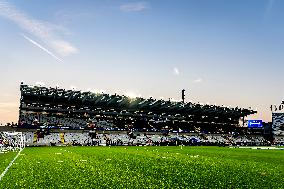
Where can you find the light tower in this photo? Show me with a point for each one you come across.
(182, 95)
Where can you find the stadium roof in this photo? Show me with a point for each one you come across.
(91, 101)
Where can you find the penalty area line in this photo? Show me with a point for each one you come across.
(11, 163)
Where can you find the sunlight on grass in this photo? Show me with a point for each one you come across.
(145, 167)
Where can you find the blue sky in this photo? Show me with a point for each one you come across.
(220, 51)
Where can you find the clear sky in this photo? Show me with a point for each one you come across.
(220, 51)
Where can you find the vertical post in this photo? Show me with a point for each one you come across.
(21, 99)
(22, 141)
(182, 95)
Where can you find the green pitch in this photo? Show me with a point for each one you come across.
(143, 167)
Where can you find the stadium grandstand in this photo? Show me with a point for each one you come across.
(55, 116)
(69, 109)
(278, 123)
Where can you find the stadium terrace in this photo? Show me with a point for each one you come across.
(42, 107)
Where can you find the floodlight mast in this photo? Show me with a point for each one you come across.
(182, 95)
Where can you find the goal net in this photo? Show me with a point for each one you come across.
(11, 141)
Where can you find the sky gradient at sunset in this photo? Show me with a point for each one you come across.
(219, 51)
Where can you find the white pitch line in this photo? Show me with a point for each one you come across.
(8, 167)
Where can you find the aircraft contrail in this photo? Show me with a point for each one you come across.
(42, 48)
(44, 31)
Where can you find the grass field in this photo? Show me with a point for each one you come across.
(144, 167)
(5, 159)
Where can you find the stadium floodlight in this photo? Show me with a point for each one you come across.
(132, 94)
(183, 95)
(39, 83)
(95, 91)
(174, 100)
